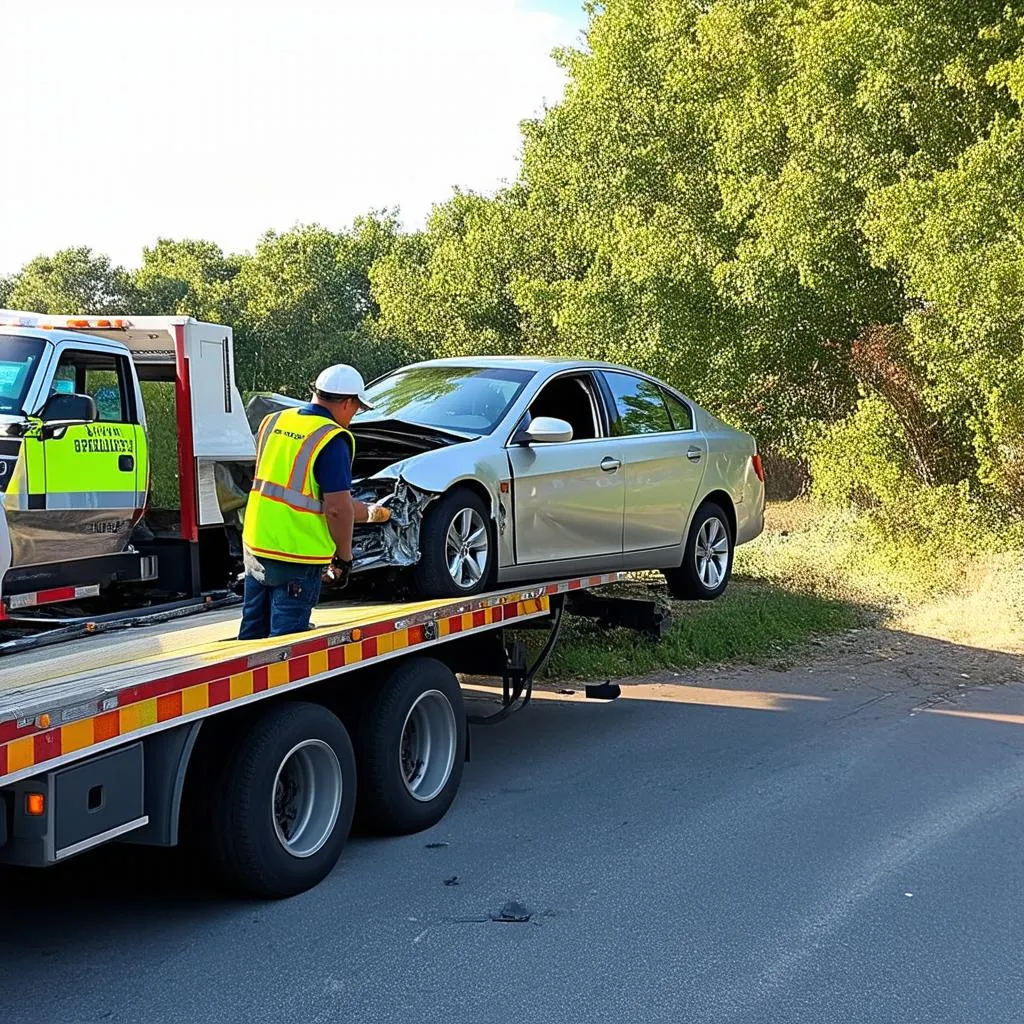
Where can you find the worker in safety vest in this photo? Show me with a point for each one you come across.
(300, 511)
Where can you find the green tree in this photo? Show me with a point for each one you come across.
(305, 301)
(70, 282)
(188, 277)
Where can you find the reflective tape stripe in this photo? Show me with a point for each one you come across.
(165, 697)
(61, 500)
(300, 468)
(294, 499)
(265, 428)
(54, 596)
(95, 499)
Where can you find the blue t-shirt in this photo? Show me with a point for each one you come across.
(333, 466)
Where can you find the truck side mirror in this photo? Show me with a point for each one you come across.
(69, 409)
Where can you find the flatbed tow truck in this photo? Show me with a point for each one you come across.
(258, 754)
(130, 712)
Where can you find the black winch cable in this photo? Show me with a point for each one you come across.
(524, 683)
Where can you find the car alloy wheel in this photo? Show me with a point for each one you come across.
(711, 552)
(466, 548)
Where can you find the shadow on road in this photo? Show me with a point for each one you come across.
(725, 719)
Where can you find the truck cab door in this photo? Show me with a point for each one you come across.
(93, 493)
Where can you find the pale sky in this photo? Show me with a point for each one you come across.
(127, 120)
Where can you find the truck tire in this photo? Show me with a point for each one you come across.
(411, 748)
(707, 560)
(455, 527)
(282, 806)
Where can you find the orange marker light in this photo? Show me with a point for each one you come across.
(43, 721)
(356, 633)
(35, 804)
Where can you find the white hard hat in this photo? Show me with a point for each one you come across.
(344, 381)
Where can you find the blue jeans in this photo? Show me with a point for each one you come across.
(282, 602)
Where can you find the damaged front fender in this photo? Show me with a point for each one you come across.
(395, 543)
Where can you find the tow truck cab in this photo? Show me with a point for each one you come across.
(92, 412)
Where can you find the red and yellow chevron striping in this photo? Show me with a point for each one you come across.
(37, 743)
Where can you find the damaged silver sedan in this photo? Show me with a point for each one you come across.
(505, 469)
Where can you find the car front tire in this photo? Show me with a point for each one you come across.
(457, 549)
(707, 560)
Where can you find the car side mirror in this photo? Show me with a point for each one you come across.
(63, 410)
(545, 430)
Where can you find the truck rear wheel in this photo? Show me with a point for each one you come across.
(411, 748)
(282, 808)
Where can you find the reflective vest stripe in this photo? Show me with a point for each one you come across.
(303, 461)
(287, 556)
(291, 497)
(268, 424)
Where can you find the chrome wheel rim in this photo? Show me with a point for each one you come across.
(466, 548)
(306, 798)
(429, 744)
(711, 553)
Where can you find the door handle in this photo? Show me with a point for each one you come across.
(609, 465)
(694, 454)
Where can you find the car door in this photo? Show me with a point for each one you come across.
(569, 497)
(93, 492)
(663, 459)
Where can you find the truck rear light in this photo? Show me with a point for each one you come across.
(35, 804)
(758, 467)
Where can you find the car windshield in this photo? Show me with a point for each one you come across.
(468, 399)
(19, 358)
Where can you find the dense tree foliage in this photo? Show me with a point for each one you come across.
(807, 214)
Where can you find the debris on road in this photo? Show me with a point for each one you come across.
(512, 913)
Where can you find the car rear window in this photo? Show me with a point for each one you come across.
(681, 413)
(640, 405)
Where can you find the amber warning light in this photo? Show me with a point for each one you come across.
(35, 804)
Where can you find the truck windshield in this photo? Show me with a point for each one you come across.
(19, 358)
(468, 399)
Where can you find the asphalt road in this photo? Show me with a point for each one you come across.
(702, 851)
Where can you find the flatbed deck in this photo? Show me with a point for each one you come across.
(60, 704)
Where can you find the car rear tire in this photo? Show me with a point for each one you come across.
(457, 550)
(411, 748)
(707, 560)
(281, 806)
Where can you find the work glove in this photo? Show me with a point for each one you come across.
(377, 514)
(338, 571)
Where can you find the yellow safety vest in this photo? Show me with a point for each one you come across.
(284, 517)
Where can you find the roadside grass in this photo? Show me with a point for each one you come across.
(948, 577)
(815, 572)
(752, 622)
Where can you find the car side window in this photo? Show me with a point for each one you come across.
(640, 406)
(681, 413)
(105, 378)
